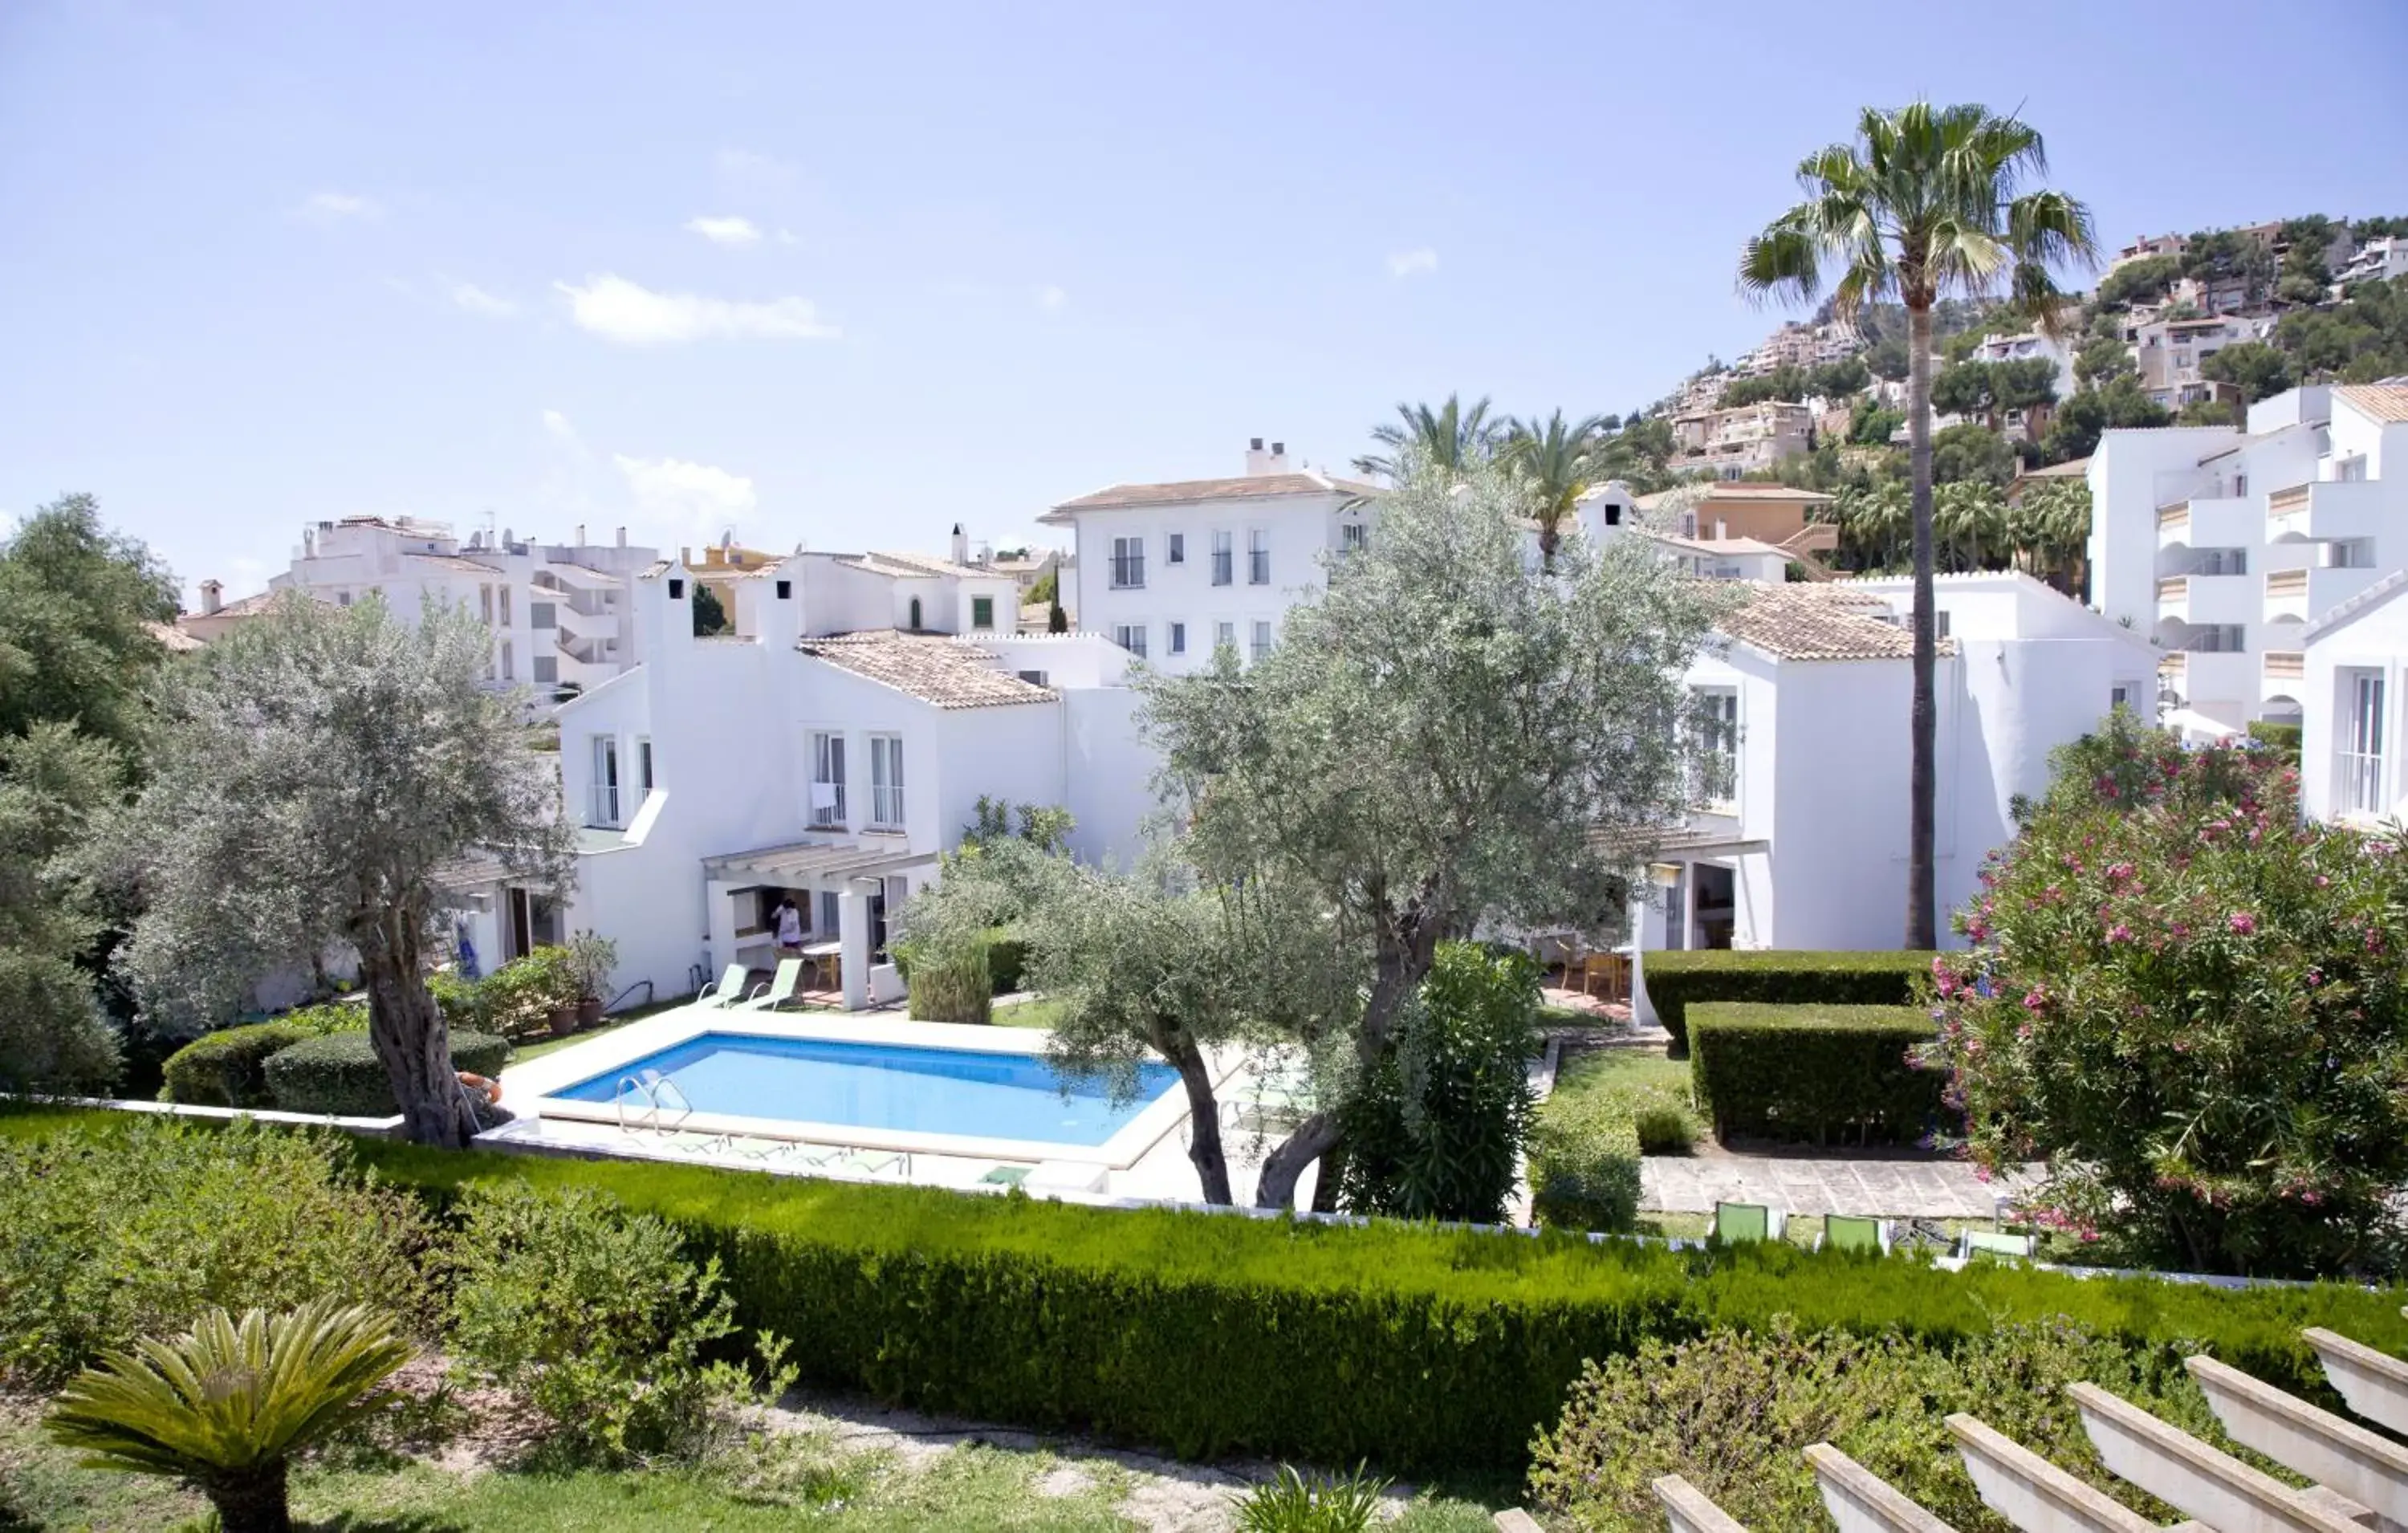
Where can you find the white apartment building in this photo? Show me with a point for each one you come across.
(2223, 546)
(1742, 439)
(829, 749)
(2355, 674)
(2028, 346)
(1802, 838)
(559, 612)
(2380, 259)
(1171, 571)
(2169, 352)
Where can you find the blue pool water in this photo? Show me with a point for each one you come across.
(878, 1085)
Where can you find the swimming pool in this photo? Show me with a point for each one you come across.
(889, 1088)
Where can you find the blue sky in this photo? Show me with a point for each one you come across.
(844, 275)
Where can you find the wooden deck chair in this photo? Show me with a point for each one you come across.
(779, 990)
(1605, 976)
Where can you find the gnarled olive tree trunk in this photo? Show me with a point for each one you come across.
(408, 1031)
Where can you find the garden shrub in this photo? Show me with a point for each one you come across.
(1435, 1130)
(1585, 1168)
(227, 1068)
(2283, 739)
(1816, 1072)
(466, 1004)
(596, 1320)
(340, 1073)
(1675, 979)
(1733, 1412)
(1007, 961)
(2194, 1008)
(952, 982)
(134, 1227)
(520, 996)
(1417, 1348)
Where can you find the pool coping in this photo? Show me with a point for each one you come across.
(527, 1088)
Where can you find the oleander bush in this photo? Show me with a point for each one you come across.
(130, 1226)
(1732, 1411)
(2193, 1006)
(1413, 1346)
(1675, 979)
(339, 1073)
(1817, 1072)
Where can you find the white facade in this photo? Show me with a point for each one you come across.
(827, 751)
(2352, 731)
(2223, 546)
(1169, 571)
(560, 613)
(1804, 840)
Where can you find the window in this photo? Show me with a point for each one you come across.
(644, 766)
(547, 671)
(1176, 550)
(539, 615)
(1128, 563)
(1177, 642)
(915, 623)
(677, 589)
(510, 663)
(1130, 636)
(786, 590)
(1258, 556)
(1350, 537)
(1034, 678)
(1225, 636)
(605, 807)
(2361, 739)
(506, 607)
(1939, 622)
(2353, 553)
(1612, 514)
(827, 780)
(2125, 694)
(830, 916)
(2219, 638)
(1714, 771)
(342, 598)
(982, 612)
(485, 604)
(2350, 470)
(1220, 558)
(886, 782)
(2240, 485)
(1262, 641)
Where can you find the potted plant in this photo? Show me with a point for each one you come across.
(593, 957)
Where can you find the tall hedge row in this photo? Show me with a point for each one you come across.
(1417, 1348)
(1677, 980)
(1821, 1073)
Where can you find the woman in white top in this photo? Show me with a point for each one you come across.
(790, 930)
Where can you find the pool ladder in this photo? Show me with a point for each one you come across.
(649, 1095)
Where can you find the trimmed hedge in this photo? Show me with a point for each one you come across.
(1584, 1170)
(1415, 1347)
(1816, 1072)
(1007, 960)
(1675, 979)
(225, 1068)
(341, 1074)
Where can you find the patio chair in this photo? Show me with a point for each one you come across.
(779, 990)
(1006, 1176)
(728, 991)
(1985, 1242)
(754, 1147)
(689, 1141)
(1608, 971)
(1736, 1221)
(1853, 1232)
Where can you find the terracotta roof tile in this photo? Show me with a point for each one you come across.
(1245, 487)
(933, 667)
(454, 563)
(175, 639)
(2383, 401)
(1803, 621)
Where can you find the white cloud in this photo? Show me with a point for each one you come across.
(1414, 262)
(1052, 299)
(476, 300)
(731, 230)
(556, 424)
(693, 501)
(742, 172)
(634, 315)
(339, 208)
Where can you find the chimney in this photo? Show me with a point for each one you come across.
(212, 596)
(1259, 463)
(506, 539)
(961, 545)
(622, 537)
(685, 557)
(581, 535)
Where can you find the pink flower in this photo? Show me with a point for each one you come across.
(2243, 923)
(2322, 882)
(2035, 999)
(1980, 1172)
(2119, 933)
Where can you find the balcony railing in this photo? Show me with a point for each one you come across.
(2361, 782)
(2173, 587)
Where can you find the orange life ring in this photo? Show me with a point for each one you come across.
(493, 1089)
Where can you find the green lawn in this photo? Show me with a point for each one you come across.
(1036, 1013)
(801, 1480)
(537, 1048)
(1641, 1084)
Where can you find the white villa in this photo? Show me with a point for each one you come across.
(829, 749)
(1804, 841)
(2225, 545)
(2354, 673)
(559, 612)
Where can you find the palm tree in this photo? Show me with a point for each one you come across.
(1451, 436)
(1558, 463)
(226, 1404)
(1927, 202)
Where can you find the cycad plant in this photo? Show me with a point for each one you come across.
(226, 1404)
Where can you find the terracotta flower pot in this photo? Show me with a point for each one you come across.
(589, 1011)
(563, 1021)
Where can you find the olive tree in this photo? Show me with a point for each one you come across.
(1444, 736)
(312, 774)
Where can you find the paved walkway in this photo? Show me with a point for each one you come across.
(1894, 1187)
